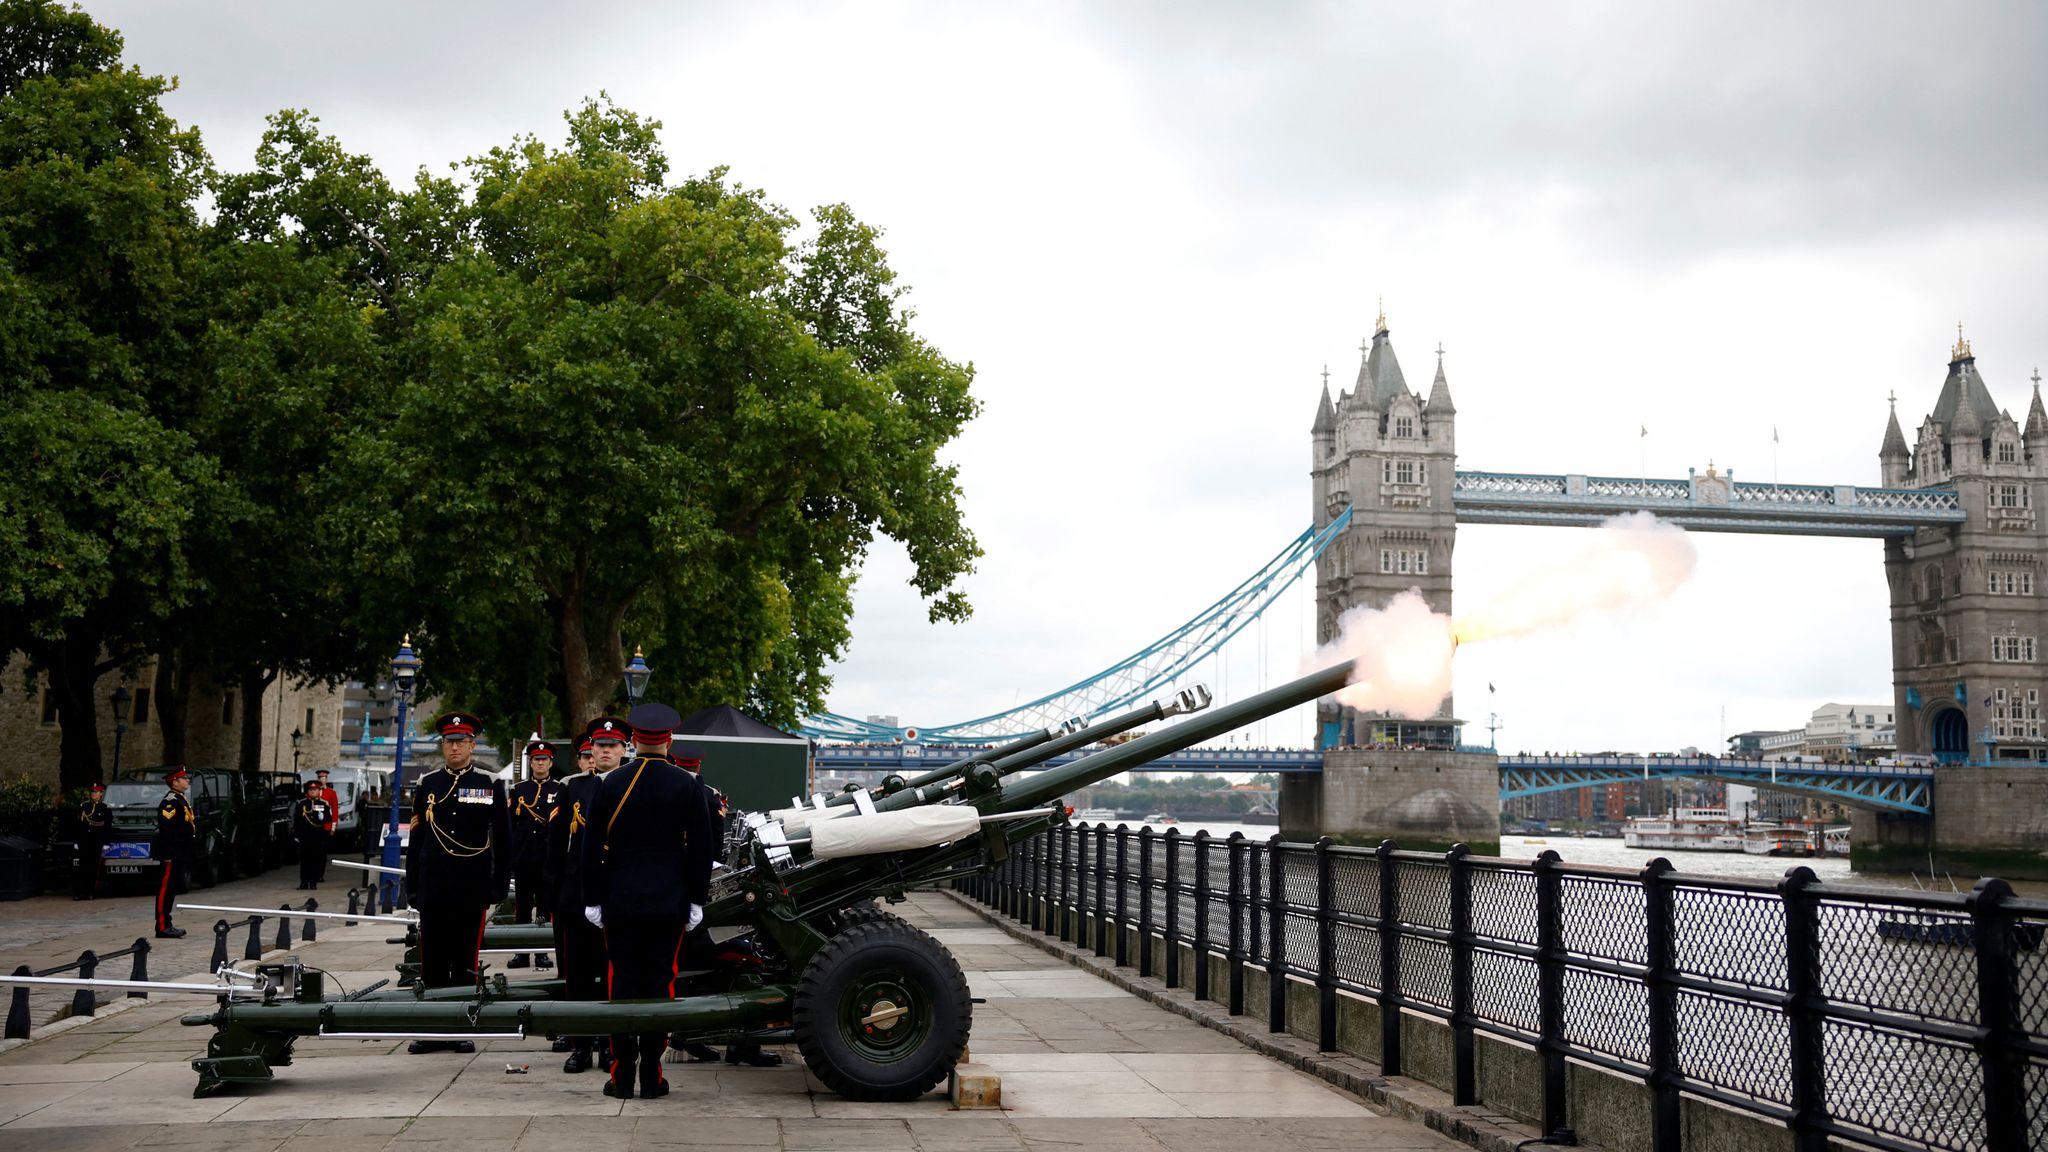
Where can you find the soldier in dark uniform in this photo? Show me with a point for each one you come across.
(579, 945)
(310, 818)
(699, 951)
(646, 879)
(457, 863)
(533, 804)
(95, 823)
(172, 848)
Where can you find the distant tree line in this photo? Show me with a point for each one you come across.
(261, 423)
(1183, 796)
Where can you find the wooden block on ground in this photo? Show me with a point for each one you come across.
(975, 1086)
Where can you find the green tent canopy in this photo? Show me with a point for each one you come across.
(757, 767)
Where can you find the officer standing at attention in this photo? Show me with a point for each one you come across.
(172, 848)
(533, 803)
(310, 818)
(94, 823)
(646, 879)
(457, 864)
(327, 793)
(579, 945)
(699, 951)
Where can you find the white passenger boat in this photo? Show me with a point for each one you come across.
(1777, 840)
(1686, 830)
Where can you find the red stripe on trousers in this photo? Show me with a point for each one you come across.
(163, 923)
(475, 953)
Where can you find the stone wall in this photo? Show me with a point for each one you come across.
(1987, 822)
(29, 746)
(1424, 800)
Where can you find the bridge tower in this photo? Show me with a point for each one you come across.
(1966, 600)
(1390, 454)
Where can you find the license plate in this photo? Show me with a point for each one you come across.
(131, 868)
(125, 850)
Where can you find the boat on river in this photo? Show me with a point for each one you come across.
(1777, 840)
(1686, 830)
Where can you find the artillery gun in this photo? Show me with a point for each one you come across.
(879, 1009)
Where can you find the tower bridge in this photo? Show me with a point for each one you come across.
(1962, 550)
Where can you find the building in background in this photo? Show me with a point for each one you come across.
(32, 732)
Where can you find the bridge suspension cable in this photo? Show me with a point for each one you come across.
(1148, 672)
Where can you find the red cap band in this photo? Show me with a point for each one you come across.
(652, 735)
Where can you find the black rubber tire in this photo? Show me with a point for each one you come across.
(866, 914)
(206, 869)
(835, 988)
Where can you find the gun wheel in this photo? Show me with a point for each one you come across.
(865, 914)
(882, 1012)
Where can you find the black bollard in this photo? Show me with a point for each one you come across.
(284, 927)
(253, 949)
(352, 909)
(374, 891)
(17, 1009)
(140, 972)
(84, 1000)
(307, 933)
(220, 947)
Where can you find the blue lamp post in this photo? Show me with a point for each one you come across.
(404, 667)
(637, 673)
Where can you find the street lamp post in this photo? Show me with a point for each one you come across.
(296, 737)
(121, 699)
(637, 673)
(404, 667)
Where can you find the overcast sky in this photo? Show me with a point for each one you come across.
(1151, 226)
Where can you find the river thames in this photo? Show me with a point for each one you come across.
(1612, 853)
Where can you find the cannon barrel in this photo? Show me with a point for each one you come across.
(948, 771)
(814, 884)
(1010, 761)
(1057, 782)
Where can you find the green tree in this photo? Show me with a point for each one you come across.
(637, 407)
(97, 237)
(304, 273)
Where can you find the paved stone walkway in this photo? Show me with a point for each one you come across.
(53, 929)
(1083, 1063)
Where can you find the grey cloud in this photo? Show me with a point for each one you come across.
(1701, 125)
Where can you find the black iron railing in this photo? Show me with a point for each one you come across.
(1896, 1020)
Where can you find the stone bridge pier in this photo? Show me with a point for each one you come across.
(1424, 800)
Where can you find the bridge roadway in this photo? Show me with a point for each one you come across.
(1885, 788)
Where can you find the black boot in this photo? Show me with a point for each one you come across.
(578, 1061)
(519, 961)
(172, 933)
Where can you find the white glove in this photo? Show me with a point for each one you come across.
(594, 914)
(696, 917)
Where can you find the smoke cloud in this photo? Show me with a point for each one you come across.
(1403, 651)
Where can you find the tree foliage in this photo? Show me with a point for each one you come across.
(558, 401)
(637, 407)
(98, 232)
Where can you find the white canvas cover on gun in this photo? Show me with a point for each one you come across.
(896, 831)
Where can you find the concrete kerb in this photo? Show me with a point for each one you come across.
(1398, 1096)
(59, 1027)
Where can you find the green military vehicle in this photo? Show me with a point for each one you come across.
(237, 832)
